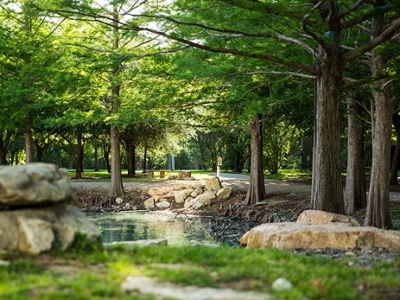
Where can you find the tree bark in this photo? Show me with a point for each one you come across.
(96, 158)
(28, 145)
(116, 187)
(355, 192)
(395, 159)
(382, 108)
(4, 143)
(327, 190)
(256, 191)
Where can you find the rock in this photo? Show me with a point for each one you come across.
(156, 191)
(40, 229)
(162, 290)
(213, 184)
(224, 193)
(295, 235)
(139, 243)
(172, 177)
(282, 284)
(199, 203)
(197, 191)
(149, 203)
(119, 201)
(33, 184)
(207, 195)
(184, 174)
(181, 196)
(189, 203)
(35, 236)
(319, 216)
(163, 204)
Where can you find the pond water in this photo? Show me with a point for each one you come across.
(177, 230)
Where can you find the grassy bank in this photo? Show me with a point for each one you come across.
(89, 273)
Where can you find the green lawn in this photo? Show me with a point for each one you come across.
(89, 273)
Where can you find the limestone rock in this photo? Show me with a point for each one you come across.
(197, 191)
(163, 204)
(213, 184)
(180, 196)
(184, 174)
(44, 228)
(149, 203)
(119, 201)
(292, 235)
(199, 203)
(224, 193)
(319, 216)
(156, 191)
(35, 236)
(207, 195)
(32, 184)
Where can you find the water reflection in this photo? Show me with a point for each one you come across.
(132, 226)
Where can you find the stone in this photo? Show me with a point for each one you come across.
(207, 195)
(337, 235)
(213, 184)
(35, 236)
(119, 201)
(33, 184)
(149, 203)
(197, 191)
(282, 284)
(162, 290)
(200, 203)
(156, 191)
(181, 196)
(139, 243)
(40, 229)
(319, 216)
(184, 174)
(163, 204)
(224, 193)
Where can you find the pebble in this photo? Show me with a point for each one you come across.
(282, 284)
(361, 257)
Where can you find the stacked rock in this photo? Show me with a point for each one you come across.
(39, 212)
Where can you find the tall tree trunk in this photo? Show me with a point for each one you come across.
(130, 154)
(378, 210)
(116, 187)
(28, 145)
(355, 193)
(382, 108)
(395, 159)
(256, 192)
(79, 155)
(96, 158)
(327, 190)
(106, 156)
(145, 158)
(4, 143)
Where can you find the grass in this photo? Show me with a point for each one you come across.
(98, 273)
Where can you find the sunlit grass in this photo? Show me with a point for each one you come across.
(99, 273)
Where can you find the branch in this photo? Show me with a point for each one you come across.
(383, 37)
(351, 8)
(281, 73)
(306, 68)
(365, 17)
(280, 37)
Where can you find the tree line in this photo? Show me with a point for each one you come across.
(323, 68)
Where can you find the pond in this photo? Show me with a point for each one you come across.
(176, 229)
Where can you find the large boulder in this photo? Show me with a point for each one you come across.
(40, 229)
(293, 235)
(33, 184)
(319, 216)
